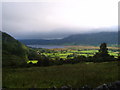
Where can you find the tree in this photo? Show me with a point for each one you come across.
(103, 51)
(103, 55)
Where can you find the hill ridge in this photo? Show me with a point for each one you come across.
(78, 39)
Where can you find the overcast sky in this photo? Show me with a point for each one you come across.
(56, 19)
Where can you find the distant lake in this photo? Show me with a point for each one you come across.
(46, 46)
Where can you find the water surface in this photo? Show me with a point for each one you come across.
(46, 46)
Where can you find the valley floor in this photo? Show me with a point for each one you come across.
(76, 75)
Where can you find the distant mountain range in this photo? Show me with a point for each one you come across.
(77, 39)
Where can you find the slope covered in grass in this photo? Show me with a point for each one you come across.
(14, 53)
(77, 75)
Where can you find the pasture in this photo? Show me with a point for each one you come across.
(76, 75)
(72, 51)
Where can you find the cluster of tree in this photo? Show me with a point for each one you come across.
(101, 56)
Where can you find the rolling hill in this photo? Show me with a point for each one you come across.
(14, 53)
(78, 39)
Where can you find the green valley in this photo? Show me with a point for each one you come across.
(73, 66)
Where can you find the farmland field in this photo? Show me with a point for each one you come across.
(74, 75)
(72, 51)
(77, 75)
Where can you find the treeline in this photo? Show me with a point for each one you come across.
(101, 56)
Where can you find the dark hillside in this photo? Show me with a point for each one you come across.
(14, 53)
(78, 39)
(93, 38)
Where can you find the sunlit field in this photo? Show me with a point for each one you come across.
(72, 51)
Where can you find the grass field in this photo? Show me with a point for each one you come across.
(76, 75)
(76, 50)
(33, 61)
(80, 50)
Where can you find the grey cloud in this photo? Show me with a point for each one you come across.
(43, 20)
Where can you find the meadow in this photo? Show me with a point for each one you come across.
(74, 75)
(72, 51)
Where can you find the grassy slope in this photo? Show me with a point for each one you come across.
(14, 53)
(77, 75)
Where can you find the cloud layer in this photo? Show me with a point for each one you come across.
(46, 18)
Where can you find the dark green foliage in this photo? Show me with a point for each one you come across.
(103, 55)
(69, 56)
(33, 54)
(44, 61)
(80, 58)
(14, 53)
(103, 52)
